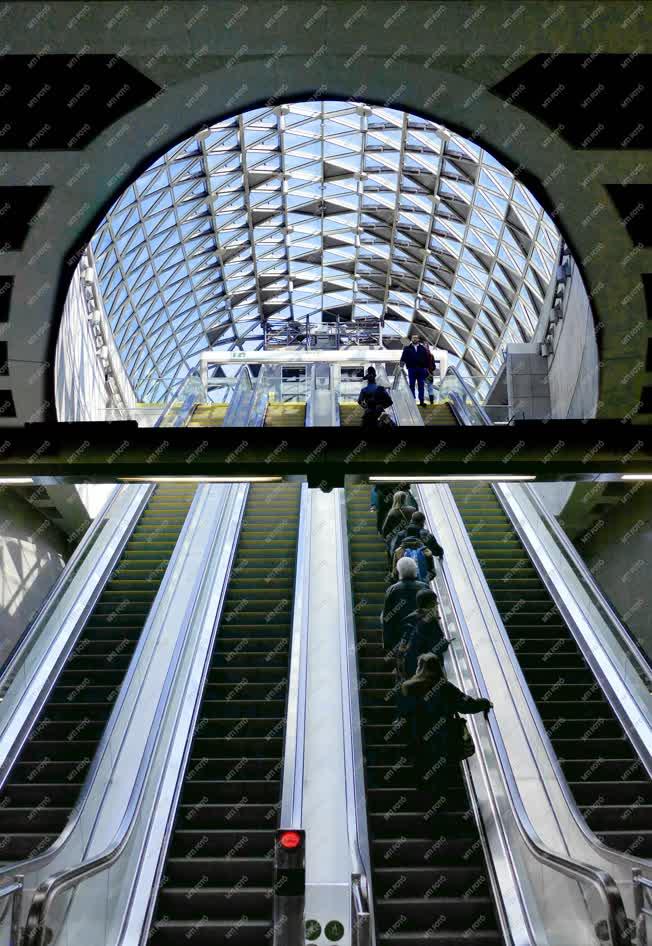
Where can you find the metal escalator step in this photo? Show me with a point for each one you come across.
(428, 866)
(204, 932)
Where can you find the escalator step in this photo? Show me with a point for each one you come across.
(429, 875)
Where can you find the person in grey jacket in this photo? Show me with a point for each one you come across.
(400, 601)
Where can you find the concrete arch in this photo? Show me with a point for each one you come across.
(86, 183)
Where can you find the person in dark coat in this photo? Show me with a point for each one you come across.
(423, 635)
(416, 360)
(417, 528)
(430, 703)
(374, 399)
(400, 601)
(382, 495)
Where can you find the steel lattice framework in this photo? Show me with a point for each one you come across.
(321, 207)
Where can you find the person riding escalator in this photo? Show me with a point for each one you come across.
(374, 399)
(438, 739)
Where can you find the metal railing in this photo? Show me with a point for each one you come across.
(32, 630)
(617, 925)
(358, 831)
(288, 911)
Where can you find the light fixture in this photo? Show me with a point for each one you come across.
(201, 479)
(636, 476)
(15, 480)
(454, 477)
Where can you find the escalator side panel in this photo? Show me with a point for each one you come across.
(604, 774)
(46, 779)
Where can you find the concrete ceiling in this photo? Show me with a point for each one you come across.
(94, 92)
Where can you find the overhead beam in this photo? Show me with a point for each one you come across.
(96, 452)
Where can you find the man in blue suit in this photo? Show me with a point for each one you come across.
(415, 359)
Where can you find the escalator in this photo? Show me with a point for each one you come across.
(218, 878)
(437, 415)
(429, 875)
(606, 778)
(350, 414)
(46, 779)
(279, 414)
(208, 415)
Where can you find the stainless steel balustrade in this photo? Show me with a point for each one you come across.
(34, 668)
(84, 911)
(361, 879)
(626, 686)
(99, 774)
(288, 911)
(622, 685)
(31, 632)
(614, 922)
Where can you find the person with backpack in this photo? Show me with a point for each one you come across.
(400, 601)
(423, 635)
(398, 517)
(412, 546)
(428, 539)
(438, 740)
(374, 399)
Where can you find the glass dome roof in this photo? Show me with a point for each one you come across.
(294, 211)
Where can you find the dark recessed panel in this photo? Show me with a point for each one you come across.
(593, 101)
(6, 285)
(648, 356)
(634, 204)
(646, 400)
(18, 206)
(4, 367)
(7, 406)
(63, 102)
(647, 288)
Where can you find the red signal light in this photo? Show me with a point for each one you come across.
(290, 840)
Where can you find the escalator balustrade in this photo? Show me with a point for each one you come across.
(46, 779)
(217, 885)
(429, 874)
(607, 779)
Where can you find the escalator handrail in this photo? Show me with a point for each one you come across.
(623, 634)
(291, 814)
(631, 861)
(40, 860)
(32, 629)
(358, 830)
(619, 629)
(599, 878)
(130, 515)
(35, 928)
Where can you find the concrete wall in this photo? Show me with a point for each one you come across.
(573, 368)
(617, 547)
(32, 555)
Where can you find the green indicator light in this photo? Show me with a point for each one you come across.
(334, 931)
(313, 929)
